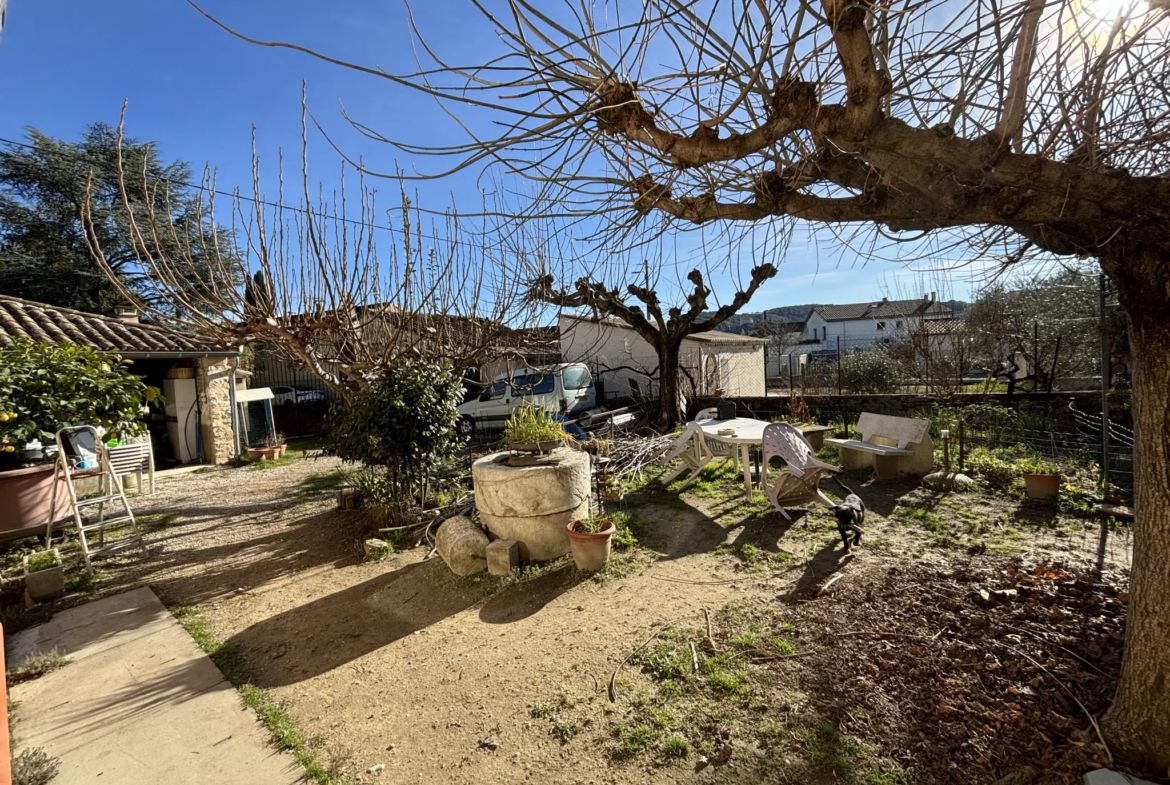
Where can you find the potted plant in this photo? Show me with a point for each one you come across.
(530, 429)
(280, 444)
(44, 577)
(590, 540)
(45, 387)
(1041, 479)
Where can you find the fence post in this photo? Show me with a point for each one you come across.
(1106, 369)
(840, 385)
(790, 374)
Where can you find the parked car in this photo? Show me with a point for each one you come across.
(289, 395)
(566, 388)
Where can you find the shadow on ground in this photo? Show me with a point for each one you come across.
(328, 632)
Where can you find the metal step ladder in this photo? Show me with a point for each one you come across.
(81, 454)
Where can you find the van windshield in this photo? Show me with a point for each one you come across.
(533, 384)
(576, 377)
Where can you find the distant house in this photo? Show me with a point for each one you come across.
(711, 363)
(862, 325)
(195, 374)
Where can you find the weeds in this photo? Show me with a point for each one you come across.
(157, 521)
(830, 751)
(565, 731)
(634, 740)
(34, 767)
(676, 748)
(36, 666)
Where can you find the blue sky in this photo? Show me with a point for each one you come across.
(196, 91)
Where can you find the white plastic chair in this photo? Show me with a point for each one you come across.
(134, 456)
(695, 450)
(714, 446)
(799, 482)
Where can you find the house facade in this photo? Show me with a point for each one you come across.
(711, 363)
(855, 326)
(199, 377)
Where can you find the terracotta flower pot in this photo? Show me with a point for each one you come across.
(255, 453)
(590, 549)
(1042, 486)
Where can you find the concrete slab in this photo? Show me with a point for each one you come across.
(140, 703)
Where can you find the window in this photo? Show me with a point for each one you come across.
(824, 333)
(881, 325)
(497, 390)
(533, 384)
(576, 378)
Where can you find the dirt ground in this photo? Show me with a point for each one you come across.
(482, 680)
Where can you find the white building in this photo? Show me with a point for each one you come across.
(862, 325)
(711, 363)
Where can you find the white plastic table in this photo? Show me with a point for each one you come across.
(747, 432)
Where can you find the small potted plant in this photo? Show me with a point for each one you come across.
(590, 540)
(1041, 479)
(44, 577)
(530, 429)
(280, 444)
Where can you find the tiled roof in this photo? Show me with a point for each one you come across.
(881, 310)
(50, 324)
(940, 326)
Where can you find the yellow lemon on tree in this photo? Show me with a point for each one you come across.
(4, 418)
(12, 415)
(8, 448)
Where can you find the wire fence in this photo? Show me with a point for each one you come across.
(300, 398)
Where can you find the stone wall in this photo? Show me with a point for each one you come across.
(213, 383)
(1052, 405)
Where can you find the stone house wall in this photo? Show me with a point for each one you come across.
(213, 384)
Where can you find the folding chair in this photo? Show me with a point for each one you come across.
(134, 456)
(694, 450)
(799, 482)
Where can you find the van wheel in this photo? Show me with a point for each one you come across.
(465, 426)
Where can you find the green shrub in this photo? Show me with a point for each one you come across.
(402, 424)
(871, 371)
(45, 560)
(676, 748)
(47, 386)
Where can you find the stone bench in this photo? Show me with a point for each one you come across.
(891, 446)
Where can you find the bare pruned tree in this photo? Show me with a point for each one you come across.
(314, 287)
(1023, 130)
(663, 331)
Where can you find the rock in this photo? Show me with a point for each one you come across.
(463, 545)
(373, 544)
(503, 556)
(1110, 777)
(1004, 595)
(702, 763)
(376, 769)
(488, 744)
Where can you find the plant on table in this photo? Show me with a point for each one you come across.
(401, 428)
(47, 386)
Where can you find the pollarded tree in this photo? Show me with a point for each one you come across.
(1028, 129)
(664, 332)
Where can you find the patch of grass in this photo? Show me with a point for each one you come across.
(888, 773)
(634, 740)
(916, 512)
(321, 482)
(36, 666)
(663, 662)
(541, 711)
(272, 712)
(830, 751)
(157, 521)
(754, 557)
(381, 552)
(45, 560)
(771, 735)
(630, 528)
(676, 748)
(723, 674)
(662, 717)
(565, 731)
(284, 460)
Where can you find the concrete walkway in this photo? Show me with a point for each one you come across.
(140, 704)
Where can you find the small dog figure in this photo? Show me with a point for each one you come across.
(850, 515)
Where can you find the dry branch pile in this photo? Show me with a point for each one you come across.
(973, 674)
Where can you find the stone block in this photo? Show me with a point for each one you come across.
(1110, 777)
(503, 556)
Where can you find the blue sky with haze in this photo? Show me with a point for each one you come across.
(196, 91)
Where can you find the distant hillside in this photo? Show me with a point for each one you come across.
(741, 321)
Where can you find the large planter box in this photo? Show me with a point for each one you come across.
(25, 496)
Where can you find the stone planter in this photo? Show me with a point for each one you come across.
(545, 446)
(591, 550)
(45, 584)
(533, 500)
(25, 496)
(1042, 486)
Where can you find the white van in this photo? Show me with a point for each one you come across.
(567, 389)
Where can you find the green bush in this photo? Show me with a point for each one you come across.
(871, 371)
(403, 423)
(47, 386)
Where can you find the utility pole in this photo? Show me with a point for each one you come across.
(646, 268)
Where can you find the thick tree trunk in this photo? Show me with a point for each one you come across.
(669, 409)
(1137, 726)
